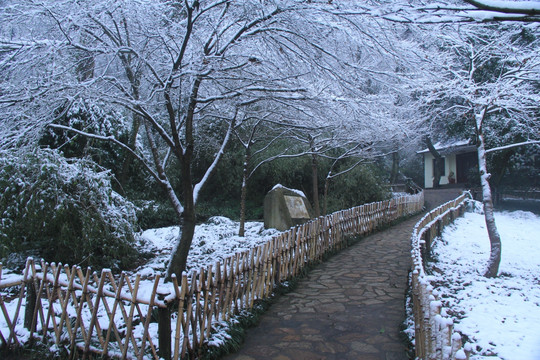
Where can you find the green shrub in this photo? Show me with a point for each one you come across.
(364, 184)
(64, 210)
(155, 214)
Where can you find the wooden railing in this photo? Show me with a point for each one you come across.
(86, 312)
(434, 335)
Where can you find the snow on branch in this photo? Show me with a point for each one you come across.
(507, 7)
(110, 139)
(530, 142)
(449, 12)
(214, 164)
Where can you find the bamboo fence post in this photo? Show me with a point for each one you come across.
(297, 250)
(164, 332)
(260, 271)
(219, 291)
(281, 259)
(13, 334)
(211, 297)
(93, 320)
(3, 341)
(147, 321)
(38, 310)
(111, 314)
(31, 301)
(199, 309)
(312, 242)
(236, 294)
(50, 298)
(184, 317)
(419, 333)
(251, 277)
(65, 302)
(35, 310)
(129, 325)
(11, 324)
(289, 255)
(192, 311)
(304, 242)
(202, 305)
(241, 282)
(227, 288)
(179, 318)
(277, 263)
(164, 326)
(55, 294)
(271, 267)
(73, 345)
(267, 261)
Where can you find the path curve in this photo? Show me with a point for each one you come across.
(349, 307)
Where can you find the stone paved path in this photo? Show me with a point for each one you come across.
(350, 307)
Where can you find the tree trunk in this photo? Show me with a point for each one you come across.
(438, 159)
(128, 158)
(241, 231)
(179, 257)
(395, 167)
(494, 237)
(315, 175)
(326, 188)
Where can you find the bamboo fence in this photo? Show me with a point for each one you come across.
(114, 316)
(435, 338)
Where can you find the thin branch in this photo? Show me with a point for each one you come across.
(505, 147)
(110, 139)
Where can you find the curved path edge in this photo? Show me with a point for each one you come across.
(350, 307)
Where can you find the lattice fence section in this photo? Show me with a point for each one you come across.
(434, 332)
(86, 312)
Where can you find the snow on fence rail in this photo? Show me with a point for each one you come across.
(114, 316)
(434, 335)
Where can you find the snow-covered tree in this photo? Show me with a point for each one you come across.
(486, 74)
(168, 67)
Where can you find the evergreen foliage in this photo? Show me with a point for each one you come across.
(364, 184)
(65, 210)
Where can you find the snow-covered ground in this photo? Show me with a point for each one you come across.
(213, 241)
(500, 316)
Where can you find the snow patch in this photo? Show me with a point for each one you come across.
(501, 316)
(298, 192)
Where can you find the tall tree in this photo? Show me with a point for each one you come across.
(491, 74)
(171, 66)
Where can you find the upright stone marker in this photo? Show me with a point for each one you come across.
(284, 208)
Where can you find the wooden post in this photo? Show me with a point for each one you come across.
(164, 329)
(31, 300)
(427, 245)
